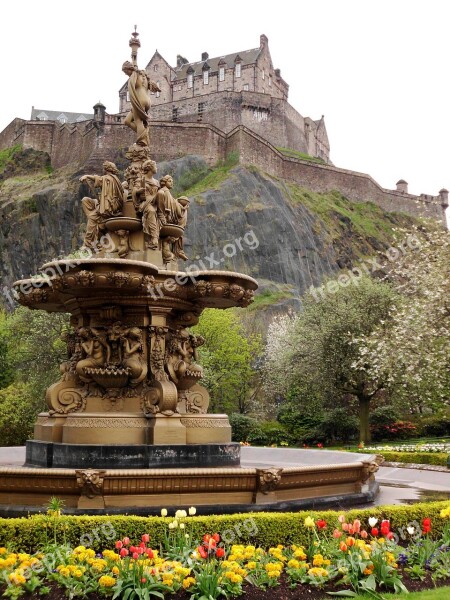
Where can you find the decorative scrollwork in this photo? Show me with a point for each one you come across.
(90, 482)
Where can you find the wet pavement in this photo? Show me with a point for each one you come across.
(397, 485)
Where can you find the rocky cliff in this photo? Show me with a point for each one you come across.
(240, 219)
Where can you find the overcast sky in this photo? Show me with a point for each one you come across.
(378, 70)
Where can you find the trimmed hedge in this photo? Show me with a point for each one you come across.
(264, 529)
(420, 458)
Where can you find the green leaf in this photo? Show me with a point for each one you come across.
(345, 593)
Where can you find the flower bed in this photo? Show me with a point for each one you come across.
(337, 553)
(435, 447)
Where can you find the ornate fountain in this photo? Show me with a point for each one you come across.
(127, 426)
(131, 383)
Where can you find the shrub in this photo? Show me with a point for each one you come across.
(270, 433)
(420, 458)
(399, 430)
(242, 426)
(338, 425)
(265, 529)
(435, 425)
(383, 415)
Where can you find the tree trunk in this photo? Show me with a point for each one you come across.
(364, 429)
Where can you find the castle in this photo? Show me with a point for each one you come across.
(233, 103)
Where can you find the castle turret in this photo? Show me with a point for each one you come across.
(443, 195)
(402, 186)
(99, 113)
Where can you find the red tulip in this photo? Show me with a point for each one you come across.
(426, 525)
(321, 524)
(133, 549)
(149, 552)
(202, 552)
(142, 545)
(143, 580)
(146, 538)
(216, 537)
(126, 541)
(374, 532)
(343, 547)
(140, 550)
(220, 552)
(389, 535)
(119, 544)
(124, 552)
(135, 555)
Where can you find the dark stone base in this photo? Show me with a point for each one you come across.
(77, 456)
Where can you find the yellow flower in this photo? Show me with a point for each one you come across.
(300, 554)
(251, 565)
(115, 570)
(293, 564)
(64, 571)
(188, 582)
(445, 513)
(17, 578)
(317, 572)
(309, 522)
(3, 551)
(106, 581)
(78, 573)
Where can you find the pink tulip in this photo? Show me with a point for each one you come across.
(337, 534)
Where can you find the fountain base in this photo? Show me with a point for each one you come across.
(101, 456)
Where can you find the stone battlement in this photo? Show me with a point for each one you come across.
(92, 142)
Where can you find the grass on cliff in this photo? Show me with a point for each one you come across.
(7, 154)
(302, 155)
(365, 219)
(209, 178)
(267, 298)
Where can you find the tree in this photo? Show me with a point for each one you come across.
(34, 351)
(410, 351)
(229, 359)
(315, 350)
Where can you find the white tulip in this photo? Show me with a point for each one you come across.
(192, 511)
(410, 530)
(373, 521)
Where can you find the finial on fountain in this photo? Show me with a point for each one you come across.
(134, 45)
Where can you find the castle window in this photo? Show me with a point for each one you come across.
(128, 96)
(237, 70)
(62, 118)
(174, 114)
(158, 94)
(155, 68)
(245, 88)
(190, 80)
(263, 74)
(205, 77)
(270, 81)
(221, 73)
(42, 117)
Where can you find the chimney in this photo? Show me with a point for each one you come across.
(402, 186)
(205, 56)
(278, 72)
(443, 195)
(181, 61)
(263, 40)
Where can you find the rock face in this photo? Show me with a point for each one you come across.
(244, 221)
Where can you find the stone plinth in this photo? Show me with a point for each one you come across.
(97, 456)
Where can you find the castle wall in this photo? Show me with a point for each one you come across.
(359, 187)
(90, 144)
(272, 118)
(13, 134)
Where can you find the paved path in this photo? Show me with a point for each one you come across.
(397, 485)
